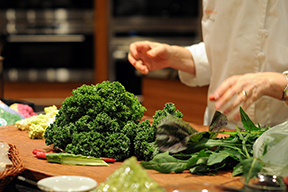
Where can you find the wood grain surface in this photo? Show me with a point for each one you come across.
(36, 169)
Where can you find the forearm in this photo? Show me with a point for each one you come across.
(182, 60)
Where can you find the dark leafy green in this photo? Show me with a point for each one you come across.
(204, 152)
(103, 120)
(145, 147)
(97, 120)
(173, 133)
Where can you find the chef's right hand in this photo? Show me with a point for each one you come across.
(147, 56)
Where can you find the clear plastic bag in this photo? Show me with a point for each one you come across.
(8, 116)
(274, 143)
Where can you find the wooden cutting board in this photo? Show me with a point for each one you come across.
(37, 169)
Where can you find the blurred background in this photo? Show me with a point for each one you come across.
(50, 47)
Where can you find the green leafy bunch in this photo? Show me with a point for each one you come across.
(184, 148)
(145, 147)
(91, 122)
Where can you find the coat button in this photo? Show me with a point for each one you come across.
(264, 33)
(261, 55)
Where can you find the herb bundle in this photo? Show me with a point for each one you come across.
(184, 148)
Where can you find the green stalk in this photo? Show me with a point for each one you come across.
(71, 159)
(243, 142)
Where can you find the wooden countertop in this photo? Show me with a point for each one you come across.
(36, 169)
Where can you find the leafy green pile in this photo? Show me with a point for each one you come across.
(103, 120)
(91, 122)
(184, 148)
(145, 146)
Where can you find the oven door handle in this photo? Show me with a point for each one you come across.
(45, 38)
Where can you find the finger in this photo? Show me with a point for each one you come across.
(211, 97)
(138, 64)
(227, 96)
(131, 59)
(225, 85)
(239, 99)
(247, 99)
(134, 51)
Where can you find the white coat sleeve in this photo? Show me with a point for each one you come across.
(202, 68)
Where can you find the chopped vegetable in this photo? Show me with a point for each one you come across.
(36, 150)
(37, 124)
(71, 159)
(130, 176)
(40, 155)
(23, 109)
(108, 160)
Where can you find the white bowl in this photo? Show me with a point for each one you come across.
(67, 183)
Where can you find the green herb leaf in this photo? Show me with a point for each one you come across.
(251, 167)
(246, 121)
(165, 163)
(217, 157)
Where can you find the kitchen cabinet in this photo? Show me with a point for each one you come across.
(101, 40)
(45, 94)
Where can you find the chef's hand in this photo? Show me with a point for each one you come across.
(148, 56)
(247, 88)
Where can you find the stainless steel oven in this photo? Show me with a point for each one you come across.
(172, 21)
(47, 40)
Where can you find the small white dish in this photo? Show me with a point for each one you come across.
(67, 183)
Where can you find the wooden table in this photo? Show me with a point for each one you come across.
(36, 169)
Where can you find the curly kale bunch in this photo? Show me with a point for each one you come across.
(95, 121)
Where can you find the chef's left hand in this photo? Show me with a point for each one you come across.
(248, 88)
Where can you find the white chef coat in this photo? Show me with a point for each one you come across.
(242, 36)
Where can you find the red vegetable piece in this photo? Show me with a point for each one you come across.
(40, 155)
(36, 150)
(109, 160)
